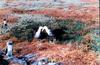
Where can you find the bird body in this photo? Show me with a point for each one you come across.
(38, 32)
(9, 49)
(48, 31)
(10, 56)
(43, 31)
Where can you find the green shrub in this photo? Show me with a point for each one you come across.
(72, 29)
(27, 25)
(96, 39)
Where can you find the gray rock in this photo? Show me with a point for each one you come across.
(54, 63)
(44, 60)
(37, 63)
(18, 61)
(29, 57)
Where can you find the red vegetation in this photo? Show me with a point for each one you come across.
(6, 14)
(86, 14)
(69, 54)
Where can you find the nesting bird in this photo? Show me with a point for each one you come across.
(38, 32)
(47, 30)
(51, 34)
(43, 32)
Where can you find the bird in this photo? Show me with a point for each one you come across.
(50, 34)
(48, 31)
(10, 57)
(44, 32)
(37, 34)
(9, 53)
(5, 25)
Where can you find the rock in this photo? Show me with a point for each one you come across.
(52, 63)
(29, 57)
(36, 63)
(17, 61)
(3, 61)
(44, 60)
(1, 52)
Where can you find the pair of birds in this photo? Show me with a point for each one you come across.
(51, 34)
(43, 29)
(44, 33)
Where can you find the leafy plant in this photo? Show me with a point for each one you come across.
(96, 40)
(72, 29)
(27, 25)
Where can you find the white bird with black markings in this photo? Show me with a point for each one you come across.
(9, 49)
(43, 33)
